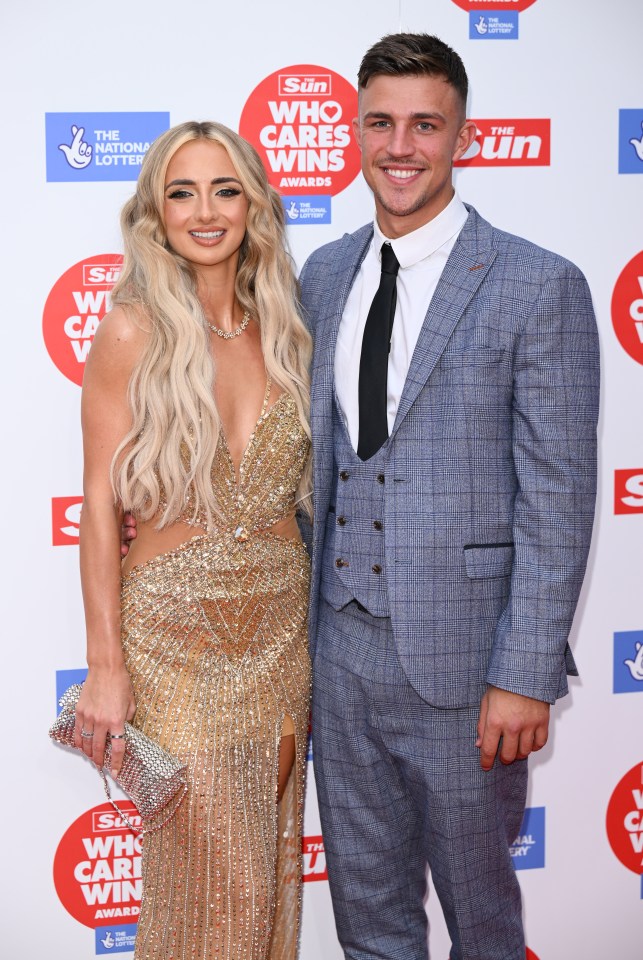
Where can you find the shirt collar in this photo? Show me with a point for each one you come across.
(421, 243)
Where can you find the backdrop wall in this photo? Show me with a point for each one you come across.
(558, 99)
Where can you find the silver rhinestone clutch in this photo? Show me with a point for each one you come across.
(150, 775)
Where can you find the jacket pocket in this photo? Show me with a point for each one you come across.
(473, 357)
(486, 560)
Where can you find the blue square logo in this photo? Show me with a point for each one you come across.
(116, 939)
(630, 141)
(496, 25)
(306, 211)
(99, 146)
(528, 849)
(65, 679)
(628, 661)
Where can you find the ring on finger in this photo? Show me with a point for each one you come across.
(87, 734)
(117, 736)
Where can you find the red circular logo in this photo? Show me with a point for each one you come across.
(494, 5)
(299, 119)
(97, 867)
(76, 304)
(625, 820)
(627, 308)
(530, 955)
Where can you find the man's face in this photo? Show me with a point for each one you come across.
(410, 130)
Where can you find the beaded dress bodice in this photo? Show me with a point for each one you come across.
(252, 502)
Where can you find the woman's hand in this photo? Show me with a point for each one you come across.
(105, 702)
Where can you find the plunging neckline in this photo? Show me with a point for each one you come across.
(263, 415)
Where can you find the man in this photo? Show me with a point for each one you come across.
(454, 494)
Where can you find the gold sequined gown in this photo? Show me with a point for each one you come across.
(214, 634)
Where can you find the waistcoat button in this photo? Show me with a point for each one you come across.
(344, 474)
(376, 568)
(341, 521)
(380, 478)
(377, 524)
(341, 563)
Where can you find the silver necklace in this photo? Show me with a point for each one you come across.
(231, 334)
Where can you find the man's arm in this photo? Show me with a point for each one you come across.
(555, 410)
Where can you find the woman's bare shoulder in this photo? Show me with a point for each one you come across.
(124, 324)
(118, 343)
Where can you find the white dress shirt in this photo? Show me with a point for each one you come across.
(422, 256)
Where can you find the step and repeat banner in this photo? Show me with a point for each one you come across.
(557, 97)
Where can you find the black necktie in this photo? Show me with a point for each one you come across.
(373, 365)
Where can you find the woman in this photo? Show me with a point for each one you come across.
(195, 413)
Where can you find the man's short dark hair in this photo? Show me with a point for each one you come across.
(414, 55)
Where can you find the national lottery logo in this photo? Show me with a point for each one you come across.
(624, 820)
(299, 120)
(509, 143)
(499, 25)
(97, 870)
(630, 141)
(528, 849)
(118, 939)
(99, 146)
(302, 211)
(628, 662)
(76, 304)
(627, 308)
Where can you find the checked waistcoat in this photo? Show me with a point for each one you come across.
(353, 563)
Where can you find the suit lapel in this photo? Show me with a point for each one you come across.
(466, 268)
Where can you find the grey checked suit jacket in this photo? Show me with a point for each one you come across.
(490, 466)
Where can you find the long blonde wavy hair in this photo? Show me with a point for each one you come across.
(171, 389)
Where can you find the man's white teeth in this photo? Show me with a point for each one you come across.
(401, 174)
(210, 235)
